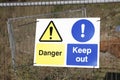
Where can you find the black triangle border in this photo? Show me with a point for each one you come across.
(51, 40)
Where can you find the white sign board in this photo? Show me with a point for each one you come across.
(67, 42)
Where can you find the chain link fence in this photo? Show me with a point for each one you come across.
(22, 37)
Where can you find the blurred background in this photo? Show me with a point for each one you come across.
(22, 23)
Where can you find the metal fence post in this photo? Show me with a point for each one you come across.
(12, 43)
(84, 12)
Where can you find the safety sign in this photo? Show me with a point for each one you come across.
(67, 42)
(51, 34)
(85, 28)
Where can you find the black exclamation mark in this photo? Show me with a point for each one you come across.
(51, 30)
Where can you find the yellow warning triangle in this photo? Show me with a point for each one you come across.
(51, 34)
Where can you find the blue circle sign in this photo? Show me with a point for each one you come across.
(83, 30)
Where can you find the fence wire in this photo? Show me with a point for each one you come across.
(55, 2)
(23, 35)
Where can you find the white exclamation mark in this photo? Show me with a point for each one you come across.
(83, 29)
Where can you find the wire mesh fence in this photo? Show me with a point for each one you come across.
(23, 24)
(22, 45)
